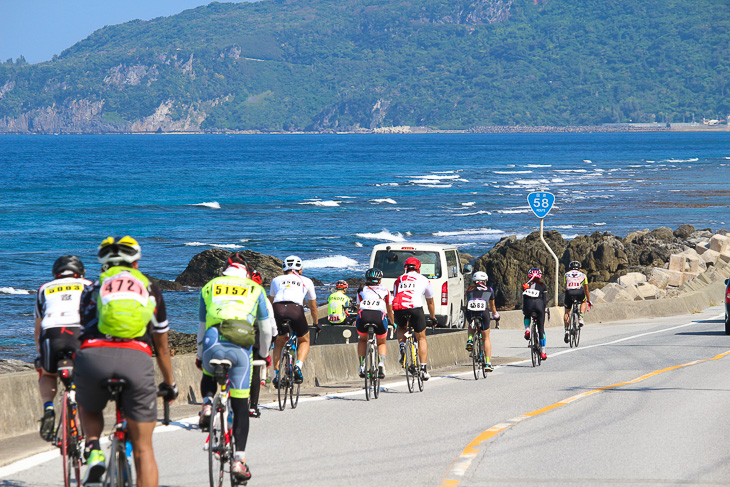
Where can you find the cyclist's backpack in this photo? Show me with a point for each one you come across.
(125, 305)
(231, 305)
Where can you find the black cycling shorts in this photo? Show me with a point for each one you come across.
(375, 317)
(287, 310)
(415, 316)
(574, 296)
(484, 315)
(56, 344)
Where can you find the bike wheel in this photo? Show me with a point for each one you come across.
(216, 444)
(75, 441)
(482, 356)
(63, 441)
(577, 332)
(283, 377)
(573, 326)
(417, 361)
(293, 388)
(475, 357)
(230, 452)
(534, 348)
(119, 473)
(367, 367)
(409, 366)
(375, 377)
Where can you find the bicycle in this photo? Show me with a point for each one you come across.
(287, 386)
(574, 325)
(411, 362)
(119, 472)
(372, 375)
(478, 358)
(68, 435)
(220, 442)
(534, 344)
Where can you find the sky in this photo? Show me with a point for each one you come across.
(38, 29)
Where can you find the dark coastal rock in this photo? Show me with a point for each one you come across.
(684, 231)
(355, 282)
(8, 366)
(603, 256)
(210, 263)
(182, 343)
(166, 285)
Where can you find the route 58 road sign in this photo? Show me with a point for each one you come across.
(541, 203)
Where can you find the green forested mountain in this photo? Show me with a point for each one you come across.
(348, 64)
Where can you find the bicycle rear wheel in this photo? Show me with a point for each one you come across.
(573, 325)
(283, 389)
(293, 387)
(367, 369)
(576, 337)
(419, 377)
(120, 472)
(475, 354)
(482, 356)
(375, 380)
(216, 444)
(534, 345)
(63, 441)
(70, 441)
(409, 366)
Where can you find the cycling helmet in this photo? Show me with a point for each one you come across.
(124, 250)
(480, 276)
(292, 263)
(574, 266)
(67, 266)
(373, 275)
(534, 273)
(256, 277)
(412, 263)
(341, 285)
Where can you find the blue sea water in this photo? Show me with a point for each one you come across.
(329, 198)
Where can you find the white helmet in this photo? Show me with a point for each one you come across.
(292, 263)
(480, 276)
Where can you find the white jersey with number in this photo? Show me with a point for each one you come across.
(374, 297)
(410, 289)
(292, 288)
(575, 280)
(58, 302)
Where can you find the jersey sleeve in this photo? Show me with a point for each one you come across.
(311, 294)
(40, 297)
(160, 325)
(262, 311)
(202, 310)
(491, 294)
(274, 287)
(428, 292)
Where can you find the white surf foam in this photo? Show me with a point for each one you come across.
(531, 182)
(587, 161)
(12, 290)
(693, 159)
(599, 224)
(470, 203)
(324, 203)
(358, 244)
(220, 246)
(195, 244)
(539, 165)
(335, 261)
(512, 172)
(512, 212)
(209, 204)
(435, 185)
(387, 184)
(472, 231)
(570, 170)
(480, 212)
(384, 200)
(383, 235)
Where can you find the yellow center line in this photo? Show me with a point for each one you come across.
(455, 474)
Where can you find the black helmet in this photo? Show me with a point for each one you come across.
(574, 266)
(373, 274)
(66, 265)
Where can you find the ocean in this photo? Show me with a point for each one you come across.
(329, 198)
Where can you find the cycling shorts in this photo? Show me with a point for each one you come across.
(287, 310)
(56, 344)
(574, 296)
(375, 317)
(484, 315)
(93, 366)
(239, 375)
(415, 316)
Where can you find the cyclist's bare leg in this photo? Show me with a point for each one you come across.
(422, 346)
(278, 345)
(362, 345)
(93, 424)
(144, 456)
(566, 317)
(401, 334)
(583, 307)
(487, 344)
(48, 386)
(303, 347)
(382, 347)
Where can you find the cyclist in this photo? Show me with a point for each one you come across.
(337, 304)
(253, 407)
(232, 307)
(534, 302)
(480, 301)
(576, 291)
(288, 293)
(374, 303)
(409, 291)
(57, 329)
(124, 320)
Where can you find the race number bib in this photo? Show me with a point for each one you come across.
(226, 291)
(531, 293)
(123, 286)
(477, 305)
(573, 284)
(375, 304)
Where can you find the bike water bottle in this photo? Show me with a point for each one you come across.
(230, 415)
(128, 448)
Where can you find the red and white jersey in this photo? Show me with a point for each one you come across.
(292, 288)
(575, 280)
(374, 297)
(410, 289)
(58, 302)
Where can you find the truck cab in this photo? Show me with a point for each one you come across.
(439, 263)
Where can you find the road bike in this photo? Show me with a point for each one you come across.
(372, 375)
(221, 443)
(574, 325)
(478, 357)
(68, 435)
(411, 362)
(534, 344)
(287, 385)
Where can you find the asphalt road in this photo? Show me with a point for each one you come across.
(661, 418)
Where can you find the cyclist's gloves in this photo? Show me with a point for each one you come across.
(199, 363)
(168, 392)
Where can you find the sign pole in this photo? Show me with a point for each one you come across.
(557, 262)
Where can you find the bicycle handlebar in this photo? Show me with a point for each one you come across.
(166, 404)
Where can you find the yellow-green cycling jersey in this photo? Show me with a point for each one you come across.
(336, 304)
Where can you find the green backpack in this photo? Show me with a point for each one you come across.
(125, 305)
(231, 304)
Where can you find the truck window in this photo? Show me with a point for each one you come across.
(393, 267)
(452, 263)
